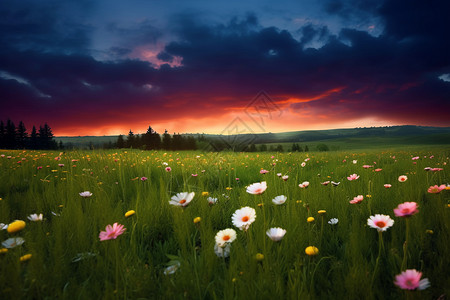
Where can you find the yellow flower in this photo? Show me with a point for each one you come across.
(129, 213)
(25, 257)
(311, 250)
(429, 231)
(310, 219)
(228, 188)
(260, 204)
(259, 256)
(197, 220)
(3, 250)
(16, 226)
(322, 212)
(205, 194)
(369, 196)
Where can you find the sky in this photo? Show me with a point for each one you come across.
(201, 66)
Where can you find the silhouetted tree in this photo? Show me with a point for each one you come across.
(130, 139)
(46, 138)
(120, 142)
(166, 141)
(21, 136)
(2, 134)
(33, 142)
(10, 135)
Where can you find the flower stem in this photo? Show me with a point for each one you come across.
(405, 246)
(380, 249)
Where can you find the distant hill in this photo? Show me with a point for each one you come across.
(339, 138)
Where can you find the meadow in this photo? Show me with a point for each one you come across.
(167, 251)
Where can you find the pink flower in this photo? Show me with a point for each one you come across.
(168, 169)
(367, 166)
(387, 185)
(415, 158)
(436, 189)
(402, 178)
(325, 182)
(237, 178)
(436, 169)
(406, 209)
(263, 171)
(378, 170)
(304, 185)
(194, 175)
(61, 165)
(357, 199)
(285, 177)
(112, 232)
(257, 188)
(353, 177)
(380, 222)
(410, 280)
(144, 178)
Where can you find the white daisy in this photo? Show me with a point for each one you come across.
(13, 242)
(211, 200)
(304, 184)
(225, 236)
(257, 188)
(244, 217)
(182, 199)
(86, 194)
(276, 233)
(35, 217)
(278, 200)
(333, 221)
(380, 222)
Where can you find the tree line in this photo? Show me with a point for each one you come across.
(12, 137)
(151, 140)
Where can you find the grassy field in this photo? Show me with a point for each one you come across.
(168, 251)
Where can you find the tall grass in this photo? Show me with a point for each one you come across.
(70, 262)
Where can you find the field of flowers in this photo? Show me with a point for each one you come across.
(136, 224)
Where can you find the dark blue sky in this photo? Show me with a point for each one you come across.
(103, 67)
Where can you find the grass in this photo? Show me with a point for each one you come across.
(69, 261)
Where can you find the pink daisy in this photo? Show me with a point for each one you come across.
(406, 209)
(410, 280)
(387, 185)
(112, 232)
(402, 178)
(356, 200)
(436, 189)
(353, 177)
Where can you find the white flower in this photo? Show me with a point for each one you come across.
(35, 217)
(182, 199)
(222, 251)
(303, 164)
(304, 184)
(285, 177)
(225, 236)
(13, 242)
(333, 221)
(211, 200)
(244, 217)
(354, 161)
(86, 194)
(257, 188)
(276, 233)
(335, 183)
(279, 174)
(278, 200)
(380, 222)
(3, 226)
(172, 268)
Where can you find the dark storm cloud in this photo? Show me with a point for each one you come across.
(352, 75)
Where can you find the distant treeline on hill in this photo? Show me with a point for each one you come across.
(12, 137)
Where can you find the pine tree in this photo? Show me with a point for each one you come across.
(120, 142)
(10, 135)
(130, 140)
(166, 141)
(46, 138)
(33, 142)
(2, 135)
(21, 135)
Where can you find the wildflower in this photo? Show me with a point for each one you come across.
(325, 182)
(25, 257)
(205, 194)
(378, 170)
(353, 177)
(60, 165)
(279, 174)
(13, 242)
(354, 161)
(257, 188)
(387, 185)
(85, 194)
(276, 233)
(263, 172)
(3, 226)
(237, 178)
(278, 200)
(211, 200)
(303, 164)
(35, 217)
(3, 250)
(358, 199)
(429, 231)
(322, 212)
(225, 237)
(112, 232)
(197, 220)
(436, 189)
(222, 251)
(380, 222)
(16, 226)
(427, 168)
(333, 221)
(194, 175)
(367, 166)
(182, 199)
(402, 178)
(144, 178)
(259, 256)
(285, 177)
(311, 251)
(310, 219)
(410, 280)
(304, 185)
(406, 209)
(168, 169)
(415, 158)
(244, 217)
(437, 169)
(129, 213)
(335, 183)
(172, 268)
